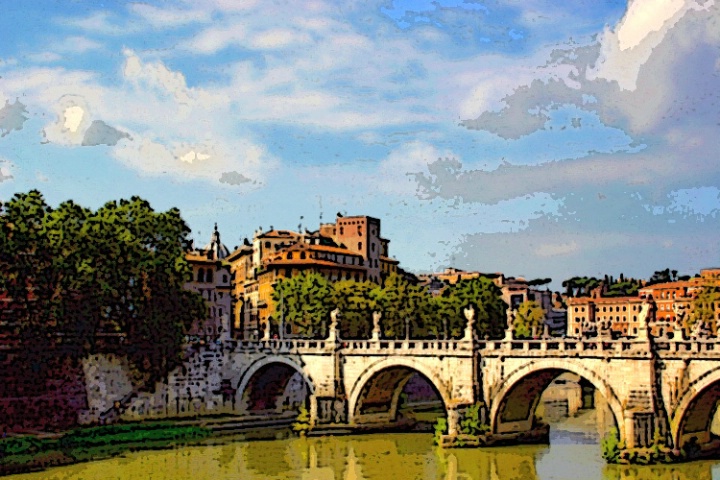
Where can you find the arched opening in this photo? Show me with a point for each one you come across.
(698, 429)
(575, 409)
(274, 389)
(398, 397)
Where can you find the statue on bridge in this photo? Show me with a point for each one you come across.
(510, 324)
(469, 313)
(333, 329)
(376, 315)
(647, 315)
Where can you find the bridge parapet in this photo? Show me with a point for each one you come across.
(565, 347)
(387, 347)
(626, 348)
(408, 347)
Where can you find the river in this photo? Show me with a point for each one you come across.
(573, 454)
(396, 456)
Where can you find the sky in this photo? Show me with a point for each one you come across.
(531, 137)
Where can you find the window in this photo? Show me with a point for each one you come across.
(372, 246)
(342, 230)
(201, 275)
(290, 256)
(267, 244)
(302, 255)
(209, 276)
(225, 279)
(359, 245)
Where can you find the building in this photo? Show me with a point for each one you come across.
(349, 249)
(670, 302)
(211, 278)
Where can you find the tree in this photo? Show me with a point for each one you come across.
(73, 277)
(662, 276)
(486, 298)
(355, 301)
(304, 302)
(529, 319)
(703, 310)
(404, 305)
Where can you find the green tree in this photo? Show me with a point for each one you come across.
(355, 301)
(529, 319)
(486, 298)
(703, 309)
(304, 302)
(74, 276)
(403, 303)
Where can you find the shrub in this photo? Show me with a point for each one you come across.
(611, 446)
(302, 424)
(440, 430)
(471, 423)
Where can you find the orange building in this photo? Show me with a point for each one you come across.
(590, 316)
(349, 249)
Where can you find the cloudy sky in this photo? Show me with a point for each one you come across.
(534, 137)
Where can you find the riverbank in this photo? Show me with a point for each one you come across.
(28, 453)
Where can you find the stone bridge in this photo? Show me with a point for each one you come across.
(668, 388)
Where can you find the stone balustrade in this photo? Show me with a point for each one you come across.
(552, 347)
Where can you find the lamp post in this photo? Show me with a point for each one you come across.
(407, 328)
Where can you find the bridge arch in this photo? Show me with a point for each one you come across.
(265, 381)
(693, 415)
(514, 402)
(393, 372)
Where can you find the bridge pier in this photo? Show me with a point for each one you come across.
(326, 410)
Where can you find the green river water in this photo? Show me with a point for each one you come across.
(571, 455)
(574, 453)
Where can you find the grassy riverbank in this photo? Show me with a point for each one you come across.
(31, 453)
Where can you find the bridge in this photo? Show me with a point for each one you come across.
(655, 388)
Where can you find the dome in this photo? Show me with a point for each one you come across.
(215, 249)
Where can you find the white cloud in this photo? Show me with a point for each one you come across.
(396, 173)
(73, 117)
(76, 44)
(557, 249)
(278, 38)
(44, 57)
(643, 18)
(214, 39)
(645, 25)
(5, 170)
(100, 22)
(169, 17)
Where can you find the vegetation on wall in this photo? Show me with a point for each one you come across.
(77, 281)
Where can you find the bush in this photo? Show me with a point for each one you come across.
(612, 446)
(440, 430)
(20, 445)
(471, 423)
(302, 424)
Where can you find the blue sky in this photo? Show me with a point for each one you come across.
(537, 138)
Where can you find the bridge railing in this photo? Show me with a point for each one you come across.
(566, 347)
(591, 346)
(383, 345)
(533, 347)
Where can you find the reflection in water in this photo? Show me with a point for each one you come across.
(370, 457)
(573, 454)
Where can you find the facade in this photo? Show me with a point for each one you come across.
(619, 316)
(211, 278)
(671, 303)
(349, 249)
